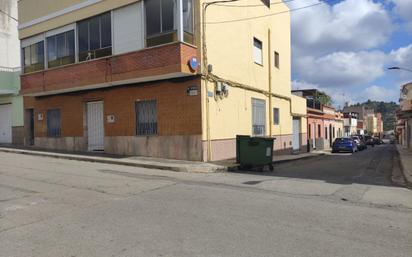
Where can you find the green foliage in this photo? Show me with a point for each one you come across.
(387, 109)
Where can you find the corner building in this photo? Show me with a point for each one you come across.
(159, 78)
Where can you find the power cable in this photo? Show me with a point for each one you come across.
(11, 17)
(255, 5)
(263, 16)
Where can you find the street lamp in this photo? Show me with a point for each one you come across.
(398, 68)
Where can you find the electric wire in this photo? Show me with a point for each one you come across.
(264, 16)
(8, 15)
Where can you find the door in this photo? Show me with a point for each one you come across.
(30, 126)
(5, 124)
(95, 126)
(314, 136)
(296, 134)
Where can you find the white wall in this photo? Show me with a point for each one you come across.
(9, 43)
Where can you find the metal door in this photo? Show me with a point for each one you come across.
(5, 124)
(296, 134)
(95, 126)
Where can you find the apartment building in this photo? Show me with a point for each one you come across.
(11, 104)
(325, 124)
(159, 78)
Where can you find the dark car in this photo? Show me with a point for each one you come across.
(369, 141)
(344, 145)
(377, 141)
(360, 143)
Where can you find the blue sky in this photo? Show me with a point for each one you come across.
(343, 47)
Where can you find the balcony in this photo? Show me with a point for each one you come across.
(161, 62)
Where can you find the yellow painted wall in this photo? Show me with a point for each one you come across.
(230, 51)
(230, 45)
(34, 9)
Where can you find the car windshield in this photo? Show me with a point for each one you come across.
(342, 140)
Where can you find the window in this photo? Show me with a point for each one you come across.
(188, 21)
(60, 49)
(53, 123)
(160, 21)
(326, 133)
(276, 116)
(34, 57)
(95, 37)
(319, 131)
(257, 51)
(146, 118)
(277, 60)
(258, 117)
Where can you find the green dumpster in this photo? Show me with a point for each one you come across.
(254, 151)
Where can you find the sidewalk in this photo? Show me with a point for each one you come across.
(134, 161)
(148, 162)
(405, 157)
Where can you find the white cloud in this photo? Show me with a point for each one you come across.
(341, 69)
(378, 93)
(404, 9)
(350, 25)
(330, 43)
(403, 56)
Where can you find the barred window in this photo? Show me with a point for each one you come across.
(53, 123)
(146, 117)
(258, 117)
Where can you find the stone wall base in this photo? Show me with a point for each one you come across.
(17, 135)
(169, 147)
(226, 148)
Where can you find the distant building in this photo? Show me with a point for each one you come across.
(350, 123)
(325, 124)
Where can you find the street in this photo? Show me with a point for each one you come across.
(333, 205)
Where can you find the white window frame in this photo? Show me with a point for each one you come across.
(257, 52)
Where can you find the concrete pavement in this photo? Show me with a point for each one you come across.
(55, 207)
(149, 162)
(405, 157)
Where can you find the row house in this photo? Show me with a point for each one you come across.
(325, 124)
(350, 123)
(158, 78)
(404, 117)
(11, 104)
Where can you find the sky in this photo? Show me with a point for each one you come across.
(344, 47)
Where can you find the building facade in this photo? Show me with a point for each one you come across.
(404, 117)
(146, 78)
(11, 104)
(325, 124)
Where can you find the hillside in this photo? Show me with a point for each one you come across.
(387, 109)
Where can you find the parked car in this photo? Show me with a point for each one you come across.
(377, 141)
(344, 144)
(360, 143)
(369, 141)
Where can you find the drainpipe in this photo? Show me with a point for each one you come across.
(270, 84)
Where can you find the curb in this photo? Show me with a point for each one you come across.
(402, 168)
(112, 161)
(236, 167)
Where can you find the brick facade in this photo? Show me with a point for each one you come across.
(178, 113)
(150, 62)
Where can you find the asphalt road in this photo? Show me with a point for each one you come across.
(336, 205)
